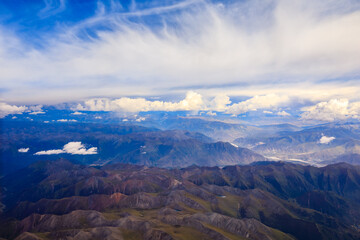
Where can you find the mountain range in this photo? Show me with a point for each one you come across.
(265, 200)
(116, 143)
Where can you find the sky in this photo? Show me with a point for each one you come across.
(273, 56)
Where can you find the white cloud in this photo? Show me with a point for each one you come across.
(50, 152)
(79, 148)
(71, 148)
(77, 113)
(326, 140)
(267, 112)
(210, 113)
(219, 103)
(335, 109)
(193, 101)
(23, 150)
(67, 120)
(283, 113)
(270, 101)
(35, 108)
(242, 46)
(140, 119)
(36, 113)
(6, 109)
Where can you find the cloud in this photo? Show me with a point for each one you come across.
(210, 113)
(36, 113)
(283, 113)
(6, 109)
(219, 103)
(140, 119)
(270, 101)
(237, 46)
(50, 152)
(74, 148)
(77, 113)
(267, 112)
(192, 102)
(66, 120)
(52, 7)
(335, 109)
(326, 140)
(79, 148)
(35, 110)
(23, 150)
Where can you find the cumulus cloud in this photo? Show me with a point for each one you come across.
(258, 102)
(219, 103)
(6, 109)
(326, 140)
(23, 150)
(35, 109)
(283, 113)
(79, 148)
(75, 148)
(240, 46)
(77, 113)
(335, 109)
(210, 113)
(67, 120)
(192, 102)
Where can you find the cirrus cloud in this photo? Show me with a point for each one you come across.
(238, 46)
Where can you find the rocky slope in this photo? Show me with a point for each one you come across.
(62, 200)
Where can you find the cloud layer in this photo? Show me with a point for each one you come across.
(192, 102)
(71, 148)
(243, 48)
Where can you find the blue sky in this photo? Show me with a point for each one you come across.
(273, 55)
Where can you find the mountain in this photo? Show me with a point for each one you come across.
(266, 200)
(215, 129)
(117, 143)
(352, 158)
(313, 145)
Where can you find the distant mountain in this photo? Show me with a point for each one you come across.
(215, 129)
(117, 143)
(313, 144)
(351, 158)
(269, 200)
